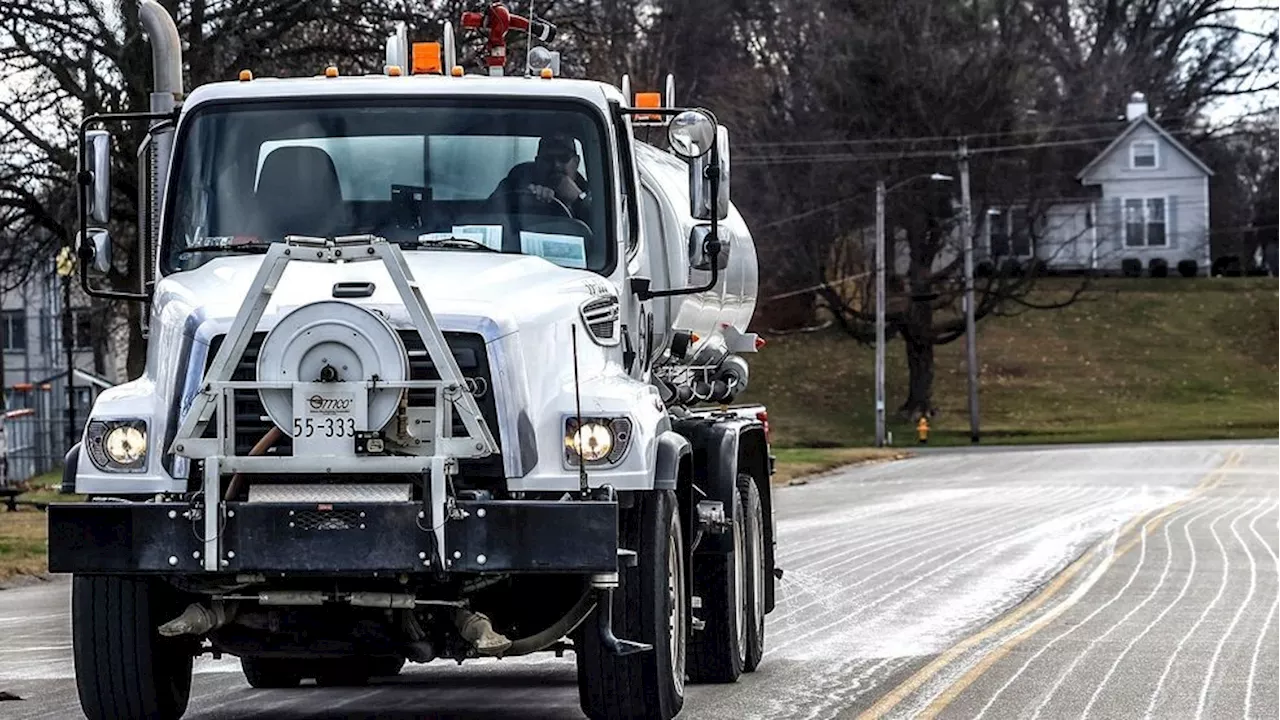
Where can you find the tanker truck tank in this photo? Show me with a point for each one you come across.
(718, 316)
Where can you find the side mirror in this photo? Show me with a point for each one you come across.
(698, 257)
(99, 160)
(95, 250)
(700, 181)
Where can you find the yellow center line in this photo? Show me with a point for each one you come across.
(891, 699)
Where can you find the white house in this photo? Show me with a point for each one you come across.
(1145, 196)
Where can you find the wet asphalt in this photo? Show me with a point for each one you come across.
(1091, 581)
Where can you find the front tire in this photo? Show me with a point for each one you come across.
(649, 606)
(124, 668)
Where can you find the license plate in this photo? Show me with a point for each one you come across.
(326, 417)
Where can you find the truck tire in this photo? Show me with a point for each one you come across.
(649, 606)
(717, 652)
(757, 572)
(124, 668)
(268, 673)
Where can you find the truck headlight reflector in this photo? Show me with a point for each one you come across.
(117, 445)
(600, 441)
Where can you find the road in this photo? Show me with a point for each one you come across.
(1108, 581)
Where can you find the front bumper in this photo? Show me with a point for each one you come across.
(499, 536)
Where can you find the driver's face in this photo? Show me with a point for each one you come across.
(558, 163)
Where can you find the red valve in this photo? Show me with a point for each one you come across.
(497, 19)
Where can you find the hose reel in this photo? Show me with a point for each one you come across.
(332, 342)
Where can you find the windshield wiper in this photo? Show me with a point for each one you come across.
(454, 242)
(242, 248)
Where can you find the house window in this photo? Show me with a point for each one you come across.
(83, 320)
(1142, 154)
(15, 330)
(1009, 232)
(1145, 222)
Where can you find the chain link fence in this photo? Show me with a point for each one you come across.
(34, 444)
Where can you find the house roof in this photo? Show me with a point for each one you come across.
(1133, 126)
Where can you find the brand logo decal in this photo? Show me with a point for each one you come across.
(320, 403)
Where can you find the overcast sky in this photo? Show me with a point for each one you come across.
(1259, 21)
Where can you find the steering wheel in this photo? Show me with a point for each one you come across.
(527, 200)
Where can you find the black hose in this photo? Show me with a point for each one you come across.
(562, 627)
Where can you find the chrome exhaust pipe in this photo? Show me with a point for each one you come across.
(166, 54)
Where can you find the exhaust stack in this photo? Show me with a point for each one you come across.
(166, 54)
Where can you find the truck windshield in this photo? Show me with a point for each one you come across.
(439, 177)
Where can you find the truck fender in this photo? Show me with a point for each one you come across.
(672, 449)
(72, 461)
(723, 450)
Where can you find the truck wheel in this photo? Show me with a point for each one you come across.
(266, 673)
(716, 653)
(649, 606)
(757, 572)
(124, 668)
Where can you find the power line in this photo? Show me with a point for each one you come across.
(918, 154)
(930, 138)
(819, 286)
(753, 160)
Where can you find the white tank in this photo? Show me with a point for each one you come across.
(732, 302)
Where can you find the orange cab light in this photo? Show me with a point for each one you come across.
(246, 75)
(456, 71)
(331, 71)
(394, 71)
(546, 74)
(426, 59)
(648, 100)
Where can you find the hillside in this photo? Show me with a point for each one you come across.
(1150, 359)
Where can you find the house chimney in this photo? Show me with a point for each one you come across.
(1137, 107)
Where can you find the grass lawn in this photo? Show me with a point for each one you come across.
(23, 534)
(794, 464)
(1146, 359)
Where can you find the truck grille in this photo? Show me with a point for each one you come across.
(469, 352)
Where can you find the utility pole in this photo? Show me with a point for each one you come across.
(66, 269)
(970, 337)
(4, 408)
(880, 301)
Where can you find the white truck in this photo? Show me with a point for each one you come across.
(440, 365)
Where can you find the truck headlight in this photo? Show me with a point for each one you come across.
(117, 445)
(599, 441)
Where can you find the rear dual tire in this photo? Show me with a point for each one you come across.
(757, 572)
(732, 589)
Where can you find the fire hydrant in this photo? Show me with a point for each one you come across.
(922, 430)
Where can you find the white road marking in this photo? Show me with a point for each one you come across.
(1164, 574)
(1016, 524)
(1262, 634)
(1222, 586)
(1217, 651)
(1142, 557)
